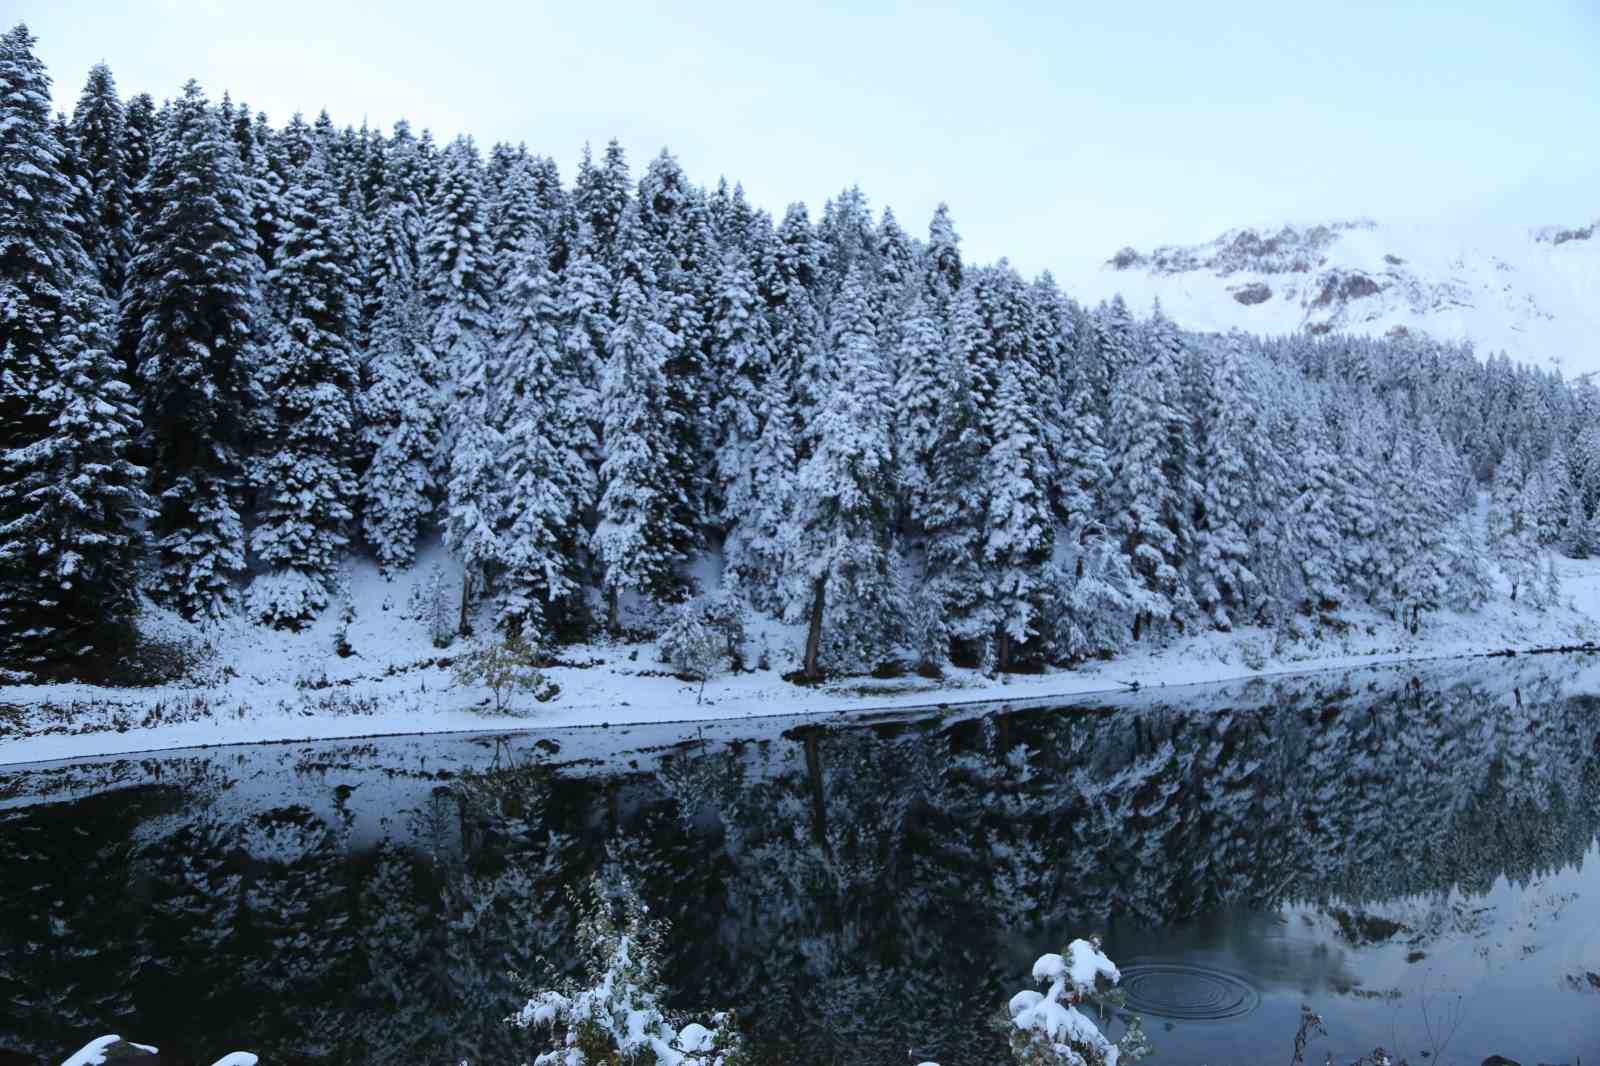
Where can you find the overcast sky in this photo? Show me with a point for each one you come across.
(1057, 131)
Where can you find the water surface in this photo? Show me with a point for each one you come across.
(1410, 851)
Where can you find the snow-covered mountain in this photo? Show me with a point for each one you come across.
(1534, 294)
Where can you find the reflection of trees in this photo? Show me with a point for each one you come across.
(855, 892)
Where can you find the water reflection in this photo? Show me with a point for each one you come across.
(855, 891)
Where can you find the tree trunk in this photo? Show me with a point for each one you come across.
(814, 634)
(611, 610)
(466, 598)
(1003, 652)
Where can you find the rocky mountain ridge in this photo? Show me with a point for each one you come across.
(1532, 293)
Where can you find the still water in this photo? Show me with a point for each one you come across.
(1411, 852)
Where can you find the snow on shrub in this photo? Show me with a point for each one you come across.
(618, 1018)
(505, 667)
(1048, 1030)
(113, 1048)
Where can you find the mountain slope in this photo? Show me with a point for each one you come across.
(1532, 294)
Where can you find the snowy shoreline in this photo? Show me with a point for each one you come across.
(417, 698)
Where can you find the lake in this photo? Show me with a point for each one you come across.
(1411, 851)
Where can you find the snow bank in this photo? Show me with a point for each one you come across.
(262, 685)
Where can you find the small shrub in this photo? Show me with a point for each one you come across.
(1253, 653)
(693, 646)
(430, 605)
(506, 667)
(618, 1016)
(1046, 1029)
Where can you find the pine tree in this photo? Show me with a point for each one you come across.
(1230, 483)
(600, 197)
(634, 540)
(920, 382)
(841, 557)
(101, 134)
(306, 484)
(194, 283)
(943, 257)
(947, 504)
(1149, 450)
(549, 484)
(399, 410)
(1512, 524)
(139, 124)
(1018, 533)
(40, 255)
(399, 406)
(458, 276)
(787, 275)
(70, 500)
(753, 462)
(675, 232)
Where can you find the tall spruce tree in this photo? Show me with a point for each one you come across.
(304, 476)
(101, 134)
(549, 485)
(634, 541)
(459, 275)
(1149, 467)
(70, 500)
(841, 572)
(400, 401)
(194, 283)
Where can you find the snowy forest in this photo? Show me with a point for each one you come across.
(235, 353)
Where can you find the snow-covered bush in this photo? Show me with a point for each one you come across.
(287, 599)
(704, 635)
(617, 1019)
(1047, 1029)
(430, 605)
(113, 1048)
(691, 646)
(505, 667)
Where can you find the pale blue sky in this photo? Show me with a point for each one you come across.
(1056, 131)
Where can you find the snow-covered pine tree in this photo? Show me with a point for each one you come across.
(1230, 484)
(635, 537)
(1512, 524)
(898, 278)
(70, 500)
(947, 506)
(139, 124)
(787, 273)
(1050, 347)
(1149, 450)
(675, 229)
(42, 256)
(943, 257)
(753, 463)
(457, 274)
(474, 514)
(545, 431)
(1018, 530)
(600, 197)
(918, 392)
(400, 421)
(399, 406)
(1021, 428)
(304, 476)
(101, 134)
(840, 570)
(194, 283)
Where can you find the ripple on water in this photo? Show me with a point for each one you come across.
(1186, 991)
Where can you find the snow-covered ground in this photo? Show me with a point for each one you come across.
(257, 684)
